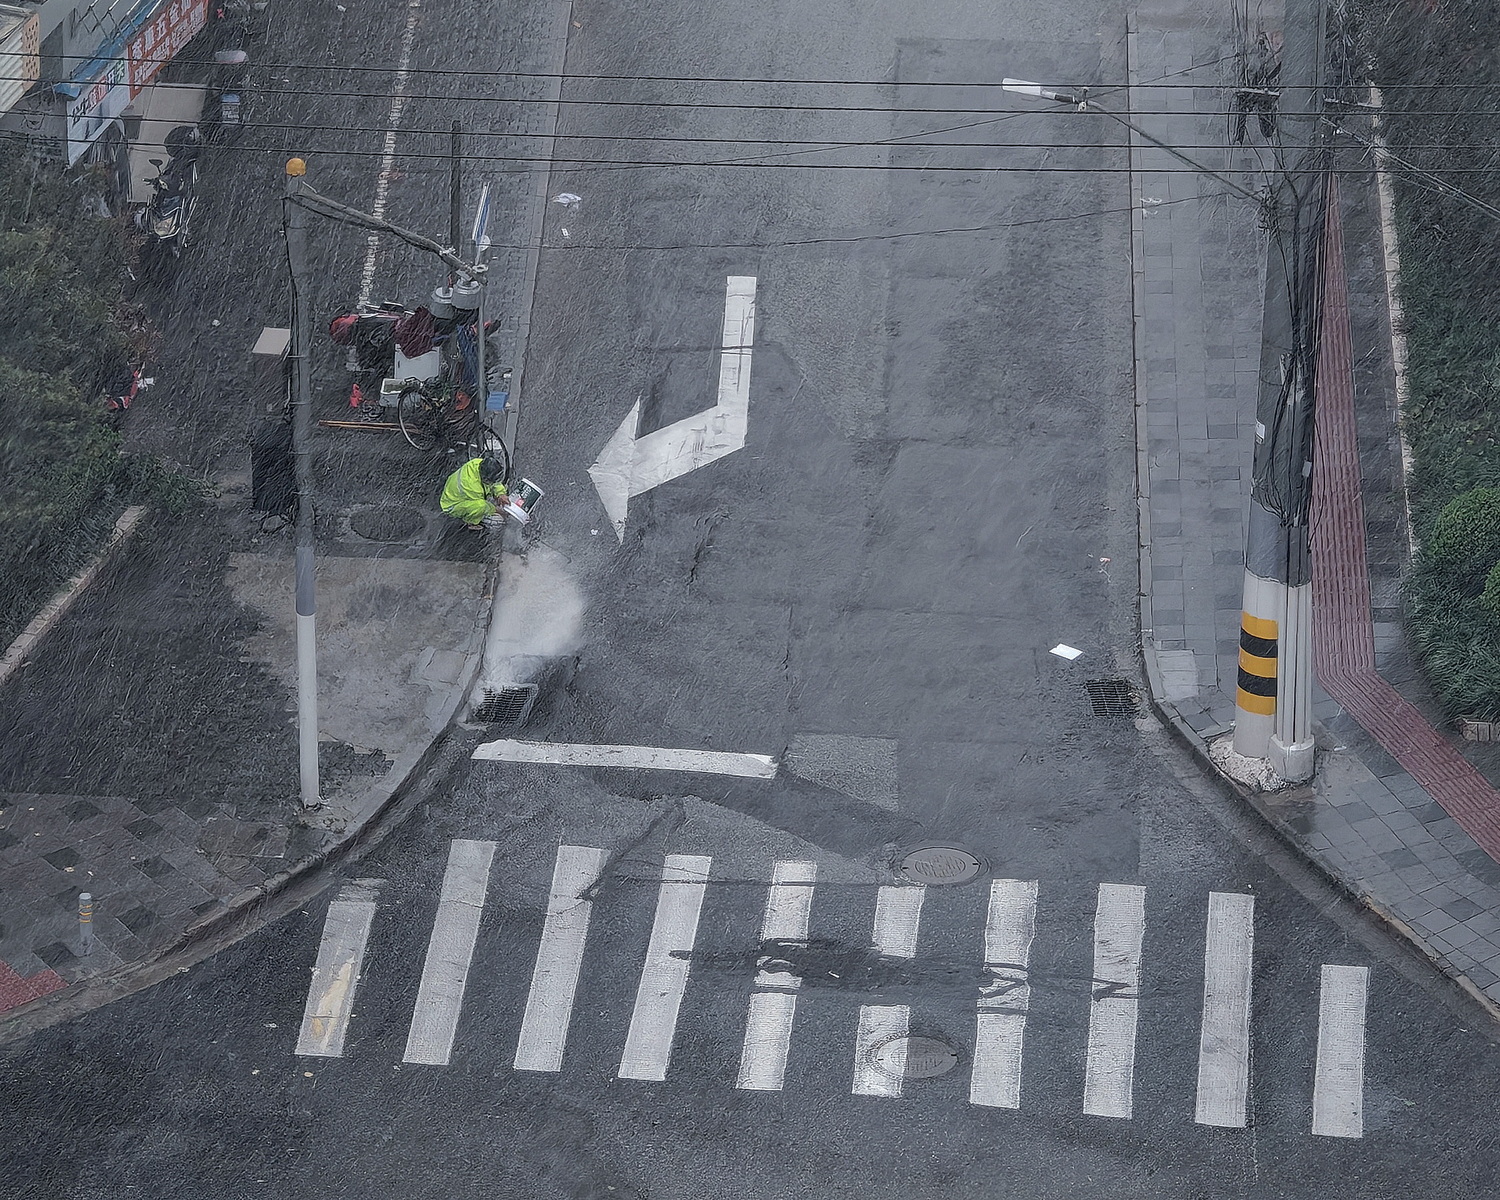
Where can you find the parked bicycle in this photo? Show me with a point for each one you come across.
(439, 412)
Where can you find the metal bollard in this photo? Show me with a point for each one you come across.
(85, 923)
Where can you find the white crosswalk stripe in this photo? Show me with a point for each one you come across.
(768, 1025)
(1004, 1001)
(1339, 1080)
(559, 959)
(879, 1045)
(330, 999)
(445, 972)
(664, 977)
(1224, 1040)
(1109, 1070)
(893, 1034)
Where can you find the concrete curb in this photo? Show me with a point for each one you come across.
(57, 607)
(374, 808)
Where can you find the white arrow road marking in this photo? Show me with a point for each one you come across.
(629, 465)
(330, 998)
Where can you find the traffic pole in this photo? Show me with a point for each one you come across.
(1274, 687)
(295, 221)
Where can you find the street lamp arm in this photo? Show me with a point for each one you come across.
(1079, 99)
(325, 206)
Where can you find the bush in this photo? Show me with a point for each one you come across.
(1464, 544)
(1490, 598)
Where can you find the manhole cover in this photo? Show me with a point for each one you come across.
(915, 1057)
(387, 523)
(1111, 697)
(940, 864)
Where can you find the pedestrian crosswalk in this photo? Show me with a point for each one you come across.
(891, 1016)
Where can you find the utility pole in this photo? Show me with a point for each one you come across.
(1274, 694)
(294, 219)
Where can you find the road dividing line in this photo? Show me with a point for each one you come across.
(450, 949)
(1224, 1042)
(1109, 1072)
(664, 976)
(1005, 998)
(388, 150)
(645, 758)
(879, 1049)
(879, 1046)
(341, 953)
(559, 957)
(768, 1028)
(1339, 1083)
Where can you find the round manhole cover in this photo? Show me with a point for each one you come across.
(915, 1057)
(387, 523)
(940, 864)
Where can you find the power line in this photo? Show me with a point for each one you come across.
(323, 69)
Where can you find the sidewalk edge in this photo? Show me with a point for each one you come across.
(62, 600)
(382, 798)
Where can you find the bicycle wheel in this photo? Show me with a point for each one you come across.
(483, 442)
(419, 417)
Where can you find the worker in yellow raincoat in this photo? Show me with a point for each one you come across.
(474, 493)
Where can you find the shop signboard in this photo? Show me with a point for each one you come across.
(170, 28)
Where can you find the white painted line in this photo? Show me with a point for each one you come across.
(1339, 1083)
(1109, 1071)
(664, 976)
(1224, 1043)
(559, 957)
(1005, 1000)
(629, 465)
(644, 758)
(898, 911)
(768, 1040)
(388, 150)
(341, 953)
(450, 949)
(788, 912)
(768, 1028)
(879, 1049)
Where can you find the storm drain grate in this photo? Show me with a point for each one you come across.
(1111, 698)
(507, 705)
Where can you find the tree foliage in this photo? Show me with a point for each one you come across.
(66, 328)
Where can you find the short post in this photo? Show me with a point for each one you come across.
(85, 924)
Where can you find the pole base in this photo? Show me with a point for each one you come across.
(1293, 763)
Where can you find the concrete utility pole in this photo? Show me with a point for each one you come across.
(294, 217)
(1274, 693)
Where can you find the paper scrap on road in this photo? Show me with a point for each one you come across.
(1063, 650)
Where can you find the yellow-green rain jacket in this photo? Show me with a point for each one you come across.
(465, 497)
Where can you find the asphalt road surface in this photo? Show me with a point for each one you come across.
(566, 981)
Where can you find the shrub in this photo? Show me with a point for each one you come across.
(1464, 544)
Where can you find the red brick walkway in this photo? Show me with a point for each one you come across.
(1343, 637)
(16, 990)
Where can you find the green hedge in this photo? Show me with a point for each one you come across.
(1439, 68)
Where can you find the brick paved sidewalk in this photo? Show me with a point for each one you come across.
(1396, 814)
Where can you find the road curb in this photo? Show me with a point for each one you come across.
(57, 607)
(379, 807)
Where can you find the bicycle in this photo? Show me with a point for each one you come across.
(440, 412)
